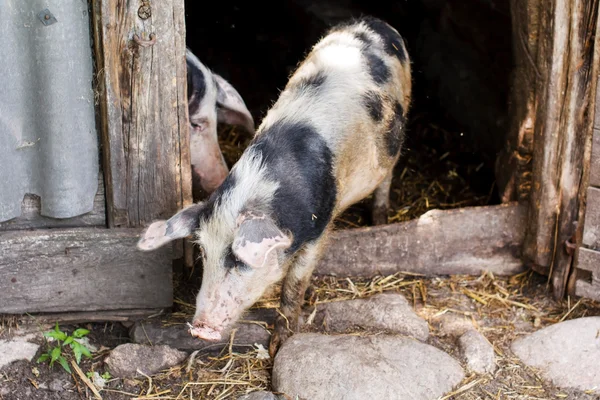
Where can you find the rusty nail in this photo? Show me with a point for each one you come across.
(571, 245)
(46, 16)
(145, 43)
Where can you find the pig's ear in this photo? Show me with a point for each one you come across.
(231, 108)
(256, 239)
(178, 226)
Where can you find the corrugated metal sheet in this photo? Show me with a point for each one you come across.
(48, 139)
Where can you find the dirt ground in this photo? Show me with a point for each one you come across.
(503, 309)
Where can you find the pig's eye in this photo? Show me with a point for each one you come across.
(199, 125)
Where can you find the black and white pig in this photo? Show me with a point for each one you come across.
(331, 139)
(211, 99)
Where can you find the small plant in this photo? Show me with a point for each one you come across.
(55, 354)
(106, 375)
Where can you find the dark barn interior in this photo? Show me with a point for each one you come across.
(461, 57)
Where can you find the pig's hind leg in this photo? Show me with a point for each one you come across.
(381, 200)
(294, 287)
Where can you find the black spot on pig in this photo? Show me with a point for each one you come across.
(377, 68)
(312, 82)
(364, 38)
(393, 42)
(196, 86)
(395, 134)
(298, 158)
(373, 103)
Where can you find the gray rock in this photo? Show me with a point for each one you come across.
(178, 337)
(477, 352)
(17, 348)
(452, 324)
(260, 396)
(315, 367)
(124, 360)
(567, 353)
(383, 312)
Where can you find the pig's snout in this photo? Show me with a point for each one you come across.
(201, 330)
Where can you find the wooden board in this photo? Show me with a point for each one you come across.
(82, 269)
(589, 260)
(566, 90)
(462, 241)
(591, 230)
(31, 219)
(513, 165)
(140, 58)
(595, 164)
(587, 290)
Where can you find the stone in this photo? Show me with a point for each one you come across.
(178, 337)
(477, 352)
(389, 312)
(17, 348)
(261, 395)
(451, 324)
(124, 360)
(314, 366)
(567, 353)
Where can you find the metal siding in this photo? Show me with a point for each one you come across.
(48, 138)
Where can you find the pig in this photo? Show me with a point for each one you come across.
(211, 99)
(331, 139)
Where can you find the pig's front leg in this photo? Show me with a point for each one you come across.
(294, 287)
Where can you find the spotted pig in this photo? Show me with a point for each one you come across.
(211, 99)
(331, 139)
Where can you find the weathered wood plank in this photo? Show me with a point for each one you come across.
(31, 219)
(587, 290)
(513, 166)
(81, 269)
(563, 132)
(591, 230)
(462, 241)
(92, 316)
(589, 260)
(143, 107)
(595, 163)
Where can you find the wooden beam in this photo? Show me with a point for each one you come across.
(82, 269)
(140, 57)
(563, 132)
(462, 241)
(587, 290)
(31, 219)
(595, 163)
(91, 316)
(591, 230)
(589, 260)
(513, 165)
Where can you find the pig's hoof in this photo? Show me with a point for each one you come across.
(379, 215)
(277, 339)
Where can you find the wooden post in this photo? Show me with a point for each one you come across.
(140, 56)
(563, 132)
(513, 166)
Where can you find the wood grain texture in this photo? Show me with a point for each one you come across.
(589, 260)
(591, 230)
(562, 135)
(143, 109)
(81, 269)
(31, 219)
(124, 316)
(595, 163)
(513, 165)
(587, 290)
(462, 241)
